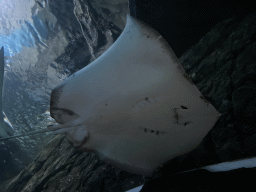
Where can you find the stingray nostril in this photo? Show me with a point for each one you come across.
(62, 115)
(70, 112)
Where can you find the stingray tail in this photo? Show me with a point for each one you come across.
(26, 134)
(61, 128)
(51, 129)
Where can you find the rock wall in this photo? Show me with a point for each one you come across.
(90, 28)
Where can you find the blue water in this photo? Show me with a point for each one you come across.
(15, 41)
(28, 35)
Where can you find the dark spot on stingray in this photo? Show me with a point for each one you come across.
(147, 99)
(186, 123)
(183, 107)
(106, 104)
(157, 132)
(176, 115)
(151, 131)
(145, 130)
(100, 116)
(147, 36)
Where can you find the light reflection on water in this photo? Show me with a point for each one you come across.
(15, 42)
(25, 29)
(25, 34)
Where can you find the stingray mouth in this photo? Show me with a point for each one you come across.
(77, 135)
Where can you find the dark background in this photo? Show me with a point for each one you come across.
(184, 22)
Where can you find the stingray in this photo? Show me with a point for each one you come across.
(5, 125)
(134, 106)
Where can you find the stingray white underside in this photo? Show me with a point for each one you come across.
(134, 105)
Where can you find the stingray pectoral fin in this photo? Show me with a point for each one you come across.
(137, 105)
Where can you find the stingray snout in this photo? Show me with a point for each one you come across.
(61, 105)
